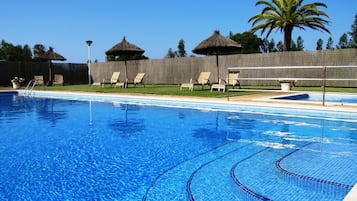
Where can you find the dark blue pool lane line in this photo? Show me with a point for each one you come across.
(242, 186)
(308, 178)
(6, 93)
(189, 181)
(164, 172)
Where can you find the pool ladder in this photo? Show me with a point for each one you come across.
(28, 90)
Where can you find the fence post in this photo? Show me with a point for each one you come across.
(324, 85)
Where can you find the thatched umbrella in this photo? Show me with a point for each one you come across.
(49, 56)
(124, 49)
(216, 44)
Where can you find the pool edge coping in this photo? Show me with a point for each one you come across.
(253, 102)
(352, 194)
(267, 101)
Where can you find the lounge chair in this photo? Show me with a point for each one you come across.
(58, 80)
(187, 85)
(139, 79)
(202, 79)
(221, 85)
(39, 79)
(231, 80)
(113, 80)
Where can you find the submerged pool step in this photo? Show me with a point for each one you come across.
(172, 184)
(316, 173)
(212, 181)
(266, 181)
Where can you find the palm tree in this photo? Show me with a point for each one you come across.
(287, 14)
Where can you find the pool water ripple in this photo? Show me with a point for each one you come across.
(309, 166)
(162, 187)
(80, 149)
(190, 180)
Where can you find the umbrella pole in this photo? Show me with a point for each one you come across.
(217, 66)
(126, 75)
(49, 73)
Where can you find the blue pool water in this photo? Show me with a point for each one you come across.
(96, 149)
(317, 97)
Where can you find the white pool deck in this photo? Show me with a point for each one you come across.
(352, 195)
(261, 99)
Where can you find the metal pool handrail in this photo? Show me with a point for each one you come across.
(323, 78)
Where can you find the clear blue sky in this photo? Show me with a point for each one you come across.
(155, 25)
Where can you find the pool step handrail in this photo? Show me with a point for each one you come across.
(31, 83)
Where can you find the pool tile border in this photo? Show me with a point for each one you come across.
(241, 185)
(325, 185)
(303, 111)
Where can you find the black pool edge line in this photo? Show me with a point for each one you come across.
(189, 181)
(243, 187)
(304, 177)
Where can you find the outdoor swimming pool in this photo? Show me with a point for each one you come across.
(106, 148)
(317, 97)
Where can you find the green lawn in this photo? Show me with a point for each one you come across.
(175, 90)
(148, 89)
(319, 89)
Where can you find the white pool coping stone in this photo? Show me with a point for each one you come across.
(352, 195)
(332, 112)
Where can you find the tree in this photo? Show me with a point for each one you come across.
(300, 44)
(250, 42)
(293, 46)
(27, 53)
(354, 33)
(170, 53)
(38, 49)
(265, 46)
(2, 54)
(329, 45)
(268, 46)
(9, 52)
(272, 46)
(319, 44)
(280, 46)
(181, 48)
(285, 15)
(343, 42)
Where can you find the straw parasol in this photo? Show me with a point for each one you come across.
(124, 49)
(216, 44)
(49, 56)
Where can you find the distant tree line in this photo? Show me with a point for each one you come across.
(10, 52)
(284, 16)
(251, 43)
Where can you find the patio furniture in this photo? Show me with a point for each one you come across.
(202, 79)
(221, 85)
(187, 85)
(231, 80)
(39, 79)
(113, 80)
(139, 79)
(58, 80)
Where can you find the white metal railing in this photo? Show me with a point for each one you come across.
(32, 83)
(323, 78)
(286, 67)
